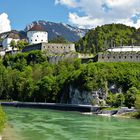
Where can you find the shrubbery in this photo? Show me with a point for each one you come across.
(29, 77)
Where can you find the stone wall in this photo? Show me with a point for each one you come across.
(32, 47)
(118, 57)
(51, 48)
(58, 48)
(57, 58)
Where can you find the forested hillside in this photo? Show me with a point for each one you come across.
(103, 37)
(29, 77)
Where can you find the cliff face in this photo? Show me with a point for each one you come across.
(75, 96)
(96, 97)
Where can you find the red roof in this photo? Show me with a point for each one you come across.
(37, 27)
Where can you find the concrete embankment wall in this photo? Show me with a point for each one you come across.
(63, 107)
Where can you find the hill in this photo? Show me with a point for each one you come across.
(106, 36)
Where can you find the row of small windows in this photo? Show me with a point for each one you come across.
(51, 47)
(121, 57)
(37, 40)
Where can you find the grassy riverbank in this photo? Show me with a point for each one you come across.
(2, 119)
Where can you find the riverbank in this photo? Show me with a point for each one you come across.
(9, 134)
(54, 106)
(2, 121)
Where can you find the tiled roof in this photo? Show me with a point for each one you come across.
(12, 35)
(37, 27)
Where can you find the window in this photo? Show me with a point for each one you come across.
(137, 57)
(125, 57)
(114, 57)
(35, 39)
(131, 57)
(119, 57)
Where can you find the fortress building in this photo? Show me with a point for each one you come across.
(37, 35)
(38, 39)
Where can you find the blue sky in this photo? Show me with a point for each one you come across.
(16, 14)
(22, 12)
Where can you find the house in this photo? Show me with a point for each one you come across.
(7, 40)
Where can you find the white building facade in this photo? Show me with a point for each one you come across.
(37, 35)
(7, 41)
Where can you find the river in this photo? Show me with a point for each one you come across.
(39, 124)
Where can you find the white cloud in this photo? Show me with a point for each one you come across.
(99, 12)
(84, 21)
(4, 23)
(69, 3)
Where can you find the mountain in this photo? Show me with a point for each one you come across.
(106, 36)
(60, 29)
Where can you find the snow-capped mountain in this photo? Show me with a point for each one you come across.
(60, 29)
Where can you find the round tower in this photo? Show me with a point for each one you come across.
(37, 35)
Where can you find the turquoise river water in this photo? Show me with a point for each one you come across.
(39, 124)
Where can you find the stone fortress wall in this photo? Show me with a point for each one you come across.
(58, 48)
(118, 57)
(51, 48)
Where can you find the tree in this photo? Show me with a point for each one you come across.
(58, 39)
(21, 44)
(130, 97)
(13, 44)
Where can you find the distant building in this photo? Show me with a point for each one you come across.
(37, 35)
(119, 54)
(125, 49)
(7, 40)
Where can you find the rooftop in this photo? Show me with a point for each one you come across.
(37, 27)
(13, 36)
(125, 49)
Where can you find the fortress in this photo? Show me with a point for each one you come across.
(38, 39)
(119, 54)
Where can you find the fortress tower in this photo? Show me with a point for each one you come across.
(37, 35)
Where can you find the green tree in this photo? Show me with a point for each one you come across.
(13, 44)
(130, 97)
(21, 44)
(58, 39)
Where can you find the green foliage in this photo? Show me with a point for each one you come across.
(21, 44)
(59, 39)
(13, 44)
(130, 97)
(106, 36)
(2, 119)
(29, 77)
(21, 60)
